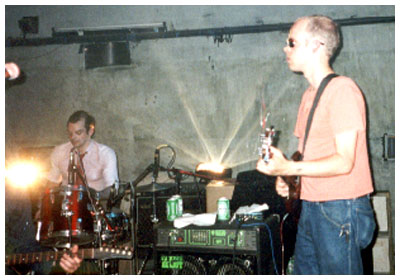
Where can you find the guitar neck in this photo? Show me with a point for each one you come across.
(89, 253)
(29, 258)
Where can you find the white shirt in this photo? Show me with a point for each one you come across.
(99, 162)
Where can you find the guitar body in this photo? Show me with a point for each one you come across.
(292, 203)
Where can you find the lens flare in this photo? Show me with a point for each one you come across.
(210, 166)
(22, 174)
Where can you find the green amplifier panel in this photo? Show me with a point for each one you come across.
(246, 239)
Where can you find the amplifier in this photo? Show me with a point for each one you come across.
(248, 248)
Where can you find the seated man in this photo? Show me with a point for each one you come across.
(99, 161)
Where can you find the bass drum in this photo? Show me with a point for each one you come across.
(65, 213)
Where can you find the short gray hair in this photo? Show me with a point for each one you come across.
(326, 30)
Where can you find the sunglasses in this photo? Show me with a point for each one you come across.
(291, 43)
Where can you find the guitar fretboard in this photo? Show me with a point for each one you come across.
(28, 258)
(90, 253)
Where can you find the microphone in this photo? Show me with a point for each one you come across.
(157, 161)
(71, 167)
(156, 164)
(12, 71)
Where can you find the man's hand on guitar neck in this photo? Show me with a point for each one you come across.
(70, 262)
(277, 164)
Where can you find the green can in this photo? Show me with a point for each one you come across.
(224, 213)
(172, 206)
(179, 210)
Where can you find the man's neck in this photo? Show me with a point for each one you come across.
(316, 73)
(84, 148)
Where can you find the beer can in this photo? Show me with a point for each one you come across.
(223, 209)
(179, 210)
(172, 206)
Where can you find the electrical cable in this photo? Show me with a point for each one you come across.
(282, 242)
(271, 242)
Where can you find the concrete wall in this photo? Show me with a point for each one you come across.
(201, 98)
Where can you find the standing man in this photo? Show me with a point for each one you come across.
(337, 220)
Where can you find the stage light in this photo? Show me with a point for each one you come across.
(213, 171)
(211, 167)
(22, 174)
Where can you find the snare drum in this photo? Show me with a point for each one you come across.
(65, 212)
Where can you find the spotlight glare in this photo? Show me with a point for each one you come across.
(22, 174)
(210, 166)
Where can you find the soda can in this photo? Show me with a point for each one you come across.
(224, 213)
(179, 210)
(172, 206)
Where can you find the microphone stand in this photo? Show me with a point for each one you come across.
(95, 210)
(178, 179)
(66, 202)
(86, 185)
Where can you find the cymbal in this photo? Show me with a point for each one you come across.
(153, 188)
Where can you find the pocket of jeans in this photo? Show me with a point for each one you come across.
(365, 225)
(335, 212)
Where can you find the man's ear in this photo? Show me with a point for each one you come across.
(91, 131)
(315, 45)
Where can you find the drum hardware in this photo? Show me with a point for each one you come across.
(66, 215)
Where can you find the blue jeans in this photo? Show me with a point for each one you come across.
(331, 235)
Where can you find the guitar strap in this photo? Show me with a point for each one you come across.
(321, 88)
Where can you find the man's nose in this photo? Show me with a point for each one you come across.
(285, 49)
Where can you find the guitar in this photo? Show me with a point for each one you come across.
(102, 253)
(292, 203)
(266, 142)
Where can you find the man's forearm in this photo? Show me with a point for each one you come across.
(329, 166)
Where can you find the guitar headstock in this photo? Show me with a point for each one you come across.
(266, 141)
(112, 253)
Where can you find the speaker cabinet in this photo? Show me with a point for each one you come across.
(383, 247)
(193, 202)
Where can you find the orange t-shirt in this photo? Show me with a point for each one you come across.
(340, 109)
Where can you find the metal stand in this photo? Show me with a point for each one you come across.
(133, 221)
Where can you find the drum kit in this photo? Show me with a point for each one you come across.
(68, 217)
